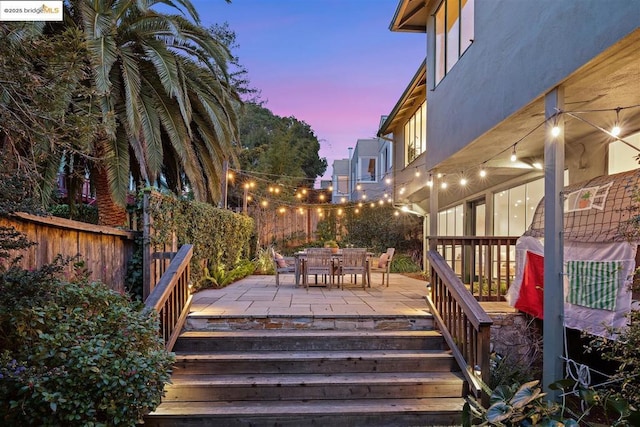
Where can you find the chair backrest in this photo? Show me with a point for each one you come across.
(390, 253)
(354, 258)
(319, 260)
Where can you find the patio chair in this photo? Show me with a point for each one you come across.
(354, 262)
(318, 261)
(282, 265)
(384, 264)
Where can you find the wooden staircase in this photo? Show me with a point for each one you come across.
(295, 377)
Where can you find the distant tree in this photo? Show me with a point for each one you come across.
(238, 74)
(283, 151)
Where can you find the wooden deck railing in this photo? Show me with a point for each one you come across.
(463, 323)
(485, 264)
(171, 297)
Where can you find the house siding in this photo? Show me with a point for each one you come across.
(512, 64)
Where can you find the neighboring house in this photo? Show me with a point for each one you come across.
(365, 176)
(495, 72)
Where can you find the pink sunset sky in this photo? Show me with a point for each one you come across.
(333, 64)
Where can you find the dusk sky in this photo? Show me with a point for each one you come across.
(333, 64)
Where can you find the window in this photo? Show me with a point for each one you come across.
(367, 171)
(514, 208)
(415, 134)
(454, 32)
(621, 156)
(343, 184)
(450, 222)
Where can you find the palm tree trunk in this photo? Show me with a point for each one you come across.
(109, 212)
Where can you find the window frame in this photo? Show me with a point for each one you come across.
(363, 162)
(444, 64)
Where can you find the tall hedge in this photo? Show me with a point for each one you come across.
(219, 237)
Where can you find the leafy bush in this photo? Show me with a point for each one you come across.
(624, 386)
(219, 277)
(85, 213)
(404, 264)
(517, 405)
(75, 353)
(376, 229)
(219, 237)
(263, 261)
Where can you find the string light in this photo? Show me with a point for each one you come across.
(615, 131)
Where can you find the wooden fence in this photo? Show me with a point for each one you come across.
(105, 250)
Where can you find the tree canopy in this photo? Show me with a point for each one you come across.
(284, 149)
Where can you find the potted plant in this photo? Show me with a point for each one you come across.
(331, 244)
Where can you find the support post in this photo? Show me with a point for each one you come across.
(553, 330)
(433, 213)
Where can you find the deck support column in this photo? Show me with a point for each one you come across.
(433, 213)
(553, 330)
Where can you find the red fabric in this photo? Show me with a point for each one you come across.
(531, 296)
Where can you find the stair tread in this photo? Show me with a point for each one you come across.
(309, 355)
(264, 333)
(310, 407)
(311, 379)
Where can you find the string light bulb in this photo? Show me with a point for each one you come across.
(463, 181)
(615, 131)
(443, 185)
(482, 173)
(514, 157)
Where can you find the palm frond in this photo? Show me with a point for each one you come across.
(100, 42)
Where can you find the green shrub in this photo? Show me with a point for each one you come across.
(263, 261)
(75, 353)
(219, 277)
(517, 405)
(404, 264)
(219, 237)
(85, 213)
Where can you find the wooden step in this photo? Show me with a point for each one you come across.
(264, 387)
(292, 362)
(297, 377)
(307, 340)
(296, 413)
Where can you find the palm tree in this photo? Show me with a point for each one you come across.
(162, 85)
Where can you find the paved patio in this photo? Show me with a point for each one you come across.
(259, 296)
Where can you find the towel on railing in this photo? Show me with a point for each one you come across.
(594, 284)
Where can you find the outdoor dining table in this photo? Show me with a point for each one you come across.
(301, 256)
